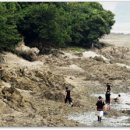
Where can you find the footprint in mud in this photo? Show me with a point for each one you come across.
(90, 119)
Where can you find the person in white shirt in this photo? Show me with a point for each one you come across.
(118, 99)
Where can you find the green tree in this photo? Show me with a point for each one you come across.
(53, 24)
(45, 25)
(9, 35)
(60, 24)
(89, 23)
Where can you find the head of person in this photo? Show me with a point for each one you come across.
(108, 85)
(99, 97)
(66, 88)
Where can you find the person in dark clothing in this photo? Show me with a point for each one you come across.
(107, 95)
(108, 87)
(100, 104)
(108, 99)
(68, 96)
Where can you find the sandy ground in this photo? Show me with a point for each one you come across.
(117, 39)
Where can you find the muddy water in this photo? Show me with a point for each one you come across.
(123, 105)
(90, 118)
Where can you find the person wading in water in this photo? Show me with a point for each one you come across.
(118, 99)
(68, 96)
(108, 99)
(100, 104)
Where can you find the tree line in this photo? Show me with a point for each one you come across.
(53, 24)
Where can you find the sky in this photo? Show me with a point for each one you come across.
(122, 15)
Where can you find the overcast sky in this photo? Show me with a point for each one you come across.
(122, 15)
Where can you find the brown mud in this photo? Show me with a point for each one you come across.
(32, 92)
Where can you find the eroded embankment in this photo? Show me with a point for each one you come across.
(32, 93)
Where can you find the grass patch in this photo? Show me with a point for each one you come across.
(75, 49)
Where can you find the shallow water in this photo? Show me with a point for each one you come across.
(125, 101)
(90, 118)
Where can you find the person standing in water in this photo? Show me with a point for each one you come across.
(68, 96)
(118, 99)
(100, 104)
(108, 99)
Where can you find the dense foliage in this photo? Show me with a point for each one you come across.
(89, 22)
(9, 35)
(45, 25)
(53, 24)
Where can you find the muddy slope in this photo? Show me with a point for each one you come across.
(32, 93)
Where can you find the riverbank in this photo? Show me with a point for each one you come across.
(32, 93)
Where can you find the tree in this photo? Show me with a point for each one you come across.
(9, 35)
(89, 23)
(45, 25)
(60, 24)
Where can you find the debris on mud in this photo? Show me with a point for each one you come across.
(32, 91)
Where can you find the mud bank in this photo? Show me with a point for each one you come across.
(32, 93)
